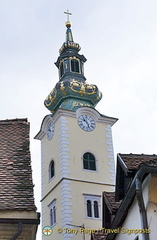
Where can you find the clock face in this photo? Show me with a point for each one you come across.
(50, 130)
(86, 122)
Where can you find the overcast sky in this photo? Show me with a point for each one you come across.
(119, 40)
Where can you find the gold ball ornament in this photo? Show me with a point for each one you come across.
(68, 24)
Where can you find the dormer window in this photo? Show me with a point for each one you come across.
(75, 65)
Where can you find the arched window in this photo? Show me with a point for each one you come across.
(61, 69)
(51, 169)
(92, 206)
(75, 65)
(51, 217)
(96, 209)
(89, 208)
(89, 161)
(53, 213)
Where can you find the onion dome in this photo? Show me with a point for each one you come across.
(71, 91)
(71, 94)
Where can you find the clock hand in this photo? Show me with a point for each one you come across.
(84, 120)
(87, 121)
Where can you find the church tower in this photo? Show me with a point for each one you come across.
(77, 158)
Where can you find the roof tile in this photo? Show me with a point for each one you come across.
(111, 199)
(133, 161)
(16, 186)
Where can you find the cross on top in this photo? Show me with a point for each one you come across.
(68, 14)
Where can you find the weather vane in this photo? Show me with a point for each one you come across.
(68, 14)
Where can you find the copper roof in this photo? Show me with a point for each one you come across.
(16, 187)
(133, 161)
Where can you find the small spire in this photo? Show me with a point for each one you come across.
(69, 37)
(69, 41)
(68, 23)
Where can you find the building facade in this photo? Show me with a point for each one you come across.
(18, 216)
(77, 159)
(129, 213)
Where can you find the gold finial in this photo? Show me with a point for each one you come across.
(68, 23)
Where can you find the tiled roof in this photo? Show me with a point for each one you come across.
(133, 161)
(99, 236)
(111, 199)
(16, 187)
